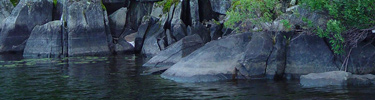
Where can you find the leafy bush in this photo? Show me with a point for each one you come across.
(255, 11)
(352, 13)
(345, 14)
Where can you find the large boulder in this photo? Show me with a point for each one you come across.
(45, 41)
(18, 26)
(258, 51)
(175, 52)
(150, 46)
(362, 59)
(308, 54)
(362, 80)
(5, 9)
(136, 11)
(142, 30)
(117, 22)
(86, 31)
(221, 6)
(216, 60)
(334, 78)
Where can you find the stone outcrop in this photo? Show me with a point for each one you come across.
(85, 29)
(18, 26)
(308, 54)
(117, 22)
(45, 41)
(175, 52)
(6, 8)
(335, 78)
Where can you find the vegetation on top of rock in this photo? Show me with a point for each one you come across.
(348, 17)
(255, 11)
(14, 2)
(167, 4)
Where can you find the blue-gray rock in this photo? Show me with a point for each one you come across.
(150, 45)
(334, 78)
(123, 47)
(362, 59)
(221, 6)
(179, 30)
(215, 61)
(175, 52)
(142, 31)
(308, 54)
(194, 11)
(277, 60)
(5, 10)
(86, 31)
(18, 26)
(45, 41)
(362, 80)
(257, 53)
(117, 21)
(136, 11)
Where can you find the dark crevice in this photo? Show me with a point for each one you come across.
(205, 11)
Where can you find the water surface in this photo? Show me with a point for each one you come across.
(118, 77)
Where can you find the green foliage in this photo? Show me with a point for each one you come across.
(55, 2)
(103, 6)
(167, 4)
(254, 10)
(14, 2)
(286, 24)
(345, 14)
(333, 33)
(353, 13)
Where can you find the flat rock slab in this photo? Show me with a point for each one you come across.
(334, 78)
(213, 62)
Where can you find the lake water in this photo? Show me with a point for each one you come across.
(118, 77)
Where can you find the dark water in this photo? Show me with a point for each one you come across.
(119, 78)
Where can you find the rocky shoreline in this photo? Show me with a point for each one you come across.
(188, 41)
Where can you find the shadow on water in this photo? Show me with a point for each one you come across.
(118, 77)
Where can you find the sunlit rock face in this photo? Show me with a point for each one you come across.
(24, 17)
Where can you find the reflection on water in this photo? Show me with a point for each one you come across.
(118, 77)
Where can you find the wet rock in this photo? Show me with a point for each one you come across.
(175, 52)
(86, 29)
(45, 41)
(214, 61)
(334, 78)
(308, 54)
(117, 21)
(220, 6)
(124, 47)
(361, 80)
(18, 26)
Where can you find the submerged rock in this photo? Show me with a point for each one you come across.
(18, 26)
(45, 41)
(334, 78)
(175, 52)
(362, 80)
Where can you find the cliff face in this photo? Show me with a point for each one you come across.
(188, 36)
